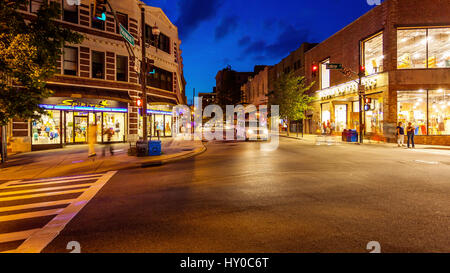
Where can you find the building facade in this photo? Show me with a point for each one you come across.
(404, 48)
(256, 89)
(228, 86)
(98, 80)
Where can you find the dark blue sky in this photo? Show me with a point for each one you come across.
(243, 33)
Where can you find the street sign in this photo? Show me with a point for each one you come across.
(361, 89)
(126, 35)
(334, 66)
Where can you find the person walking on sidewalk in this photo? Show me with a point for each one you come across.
(109, 133)
(92, 138)
(410, 132)
(400, 135)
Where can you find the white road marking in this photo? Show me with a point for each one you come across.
(29, 196)
(33, 214)
(16, 236)
(59, 178)
(427, 162)
(40, 239)
(26, 184)
(6, 193)
(36, 205)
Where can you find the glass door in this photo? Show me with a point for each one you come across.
(341, 117)
(80, 129)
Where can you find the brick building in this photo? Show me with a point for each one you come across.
(404, 46)
(255, 90)
(98, 83)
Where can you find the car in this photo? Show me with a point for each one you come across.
(253, 131)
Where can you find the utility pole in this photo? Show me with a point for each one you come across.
(144, 77)
(4, 144)
(361, 91)
(193, 111)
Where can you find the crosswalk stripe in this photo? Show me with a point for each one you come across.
(16, 236)
(27, 184)
(29, 196)
(33, 214)
(6, 193)
(60, 178)
(36, 205)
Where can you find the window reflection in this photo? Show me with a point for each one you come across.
(439, 112)
(412, 49)
(439, 47)
(412, 107)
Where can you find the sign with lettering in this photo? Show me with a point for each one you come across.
(126, 35)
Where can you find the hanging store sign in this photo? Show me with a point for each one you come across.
(348, 88)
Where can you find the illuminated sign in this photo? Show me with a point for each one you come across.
(73, 103)
(349, 88)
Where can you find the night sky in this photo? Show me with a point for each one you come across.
(243, 33)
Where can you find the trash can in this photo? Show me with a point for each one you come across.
(344, 135)
(352, 136)
(142, 148)
(154, 147)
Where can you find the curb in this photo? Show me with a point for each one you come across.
(194, 153)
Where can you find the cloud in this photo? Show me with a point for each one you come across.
(194, 12)
(226, 26)
(289, 39)
(244, 41)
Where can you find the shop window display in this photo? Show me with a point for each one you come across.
(373, 54)
(439, 112)
(340, 112)
(47, 129)
(168, 126)
(116, 123)
(374, 115)
(412, 107)
(423, 48)
(158, 124)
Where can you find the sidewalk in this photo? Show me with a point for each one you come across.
(73, 160)
(336, 140)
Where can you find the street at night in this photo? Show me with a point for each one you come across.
(300, 198)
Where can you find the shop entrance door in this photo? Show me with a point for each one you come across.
(80, 129)
(341, 117)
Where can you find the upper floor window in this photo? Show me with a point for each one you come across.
(121, 68)
(373, 54)
(70, 12)
(70, 65)
(162, 41)
(35, 5)
(423, 48)
(324, 74)
(161, 79)
(96, 23)
(98, 65)
(123, 20)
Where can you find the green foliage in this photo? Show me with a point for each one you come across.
(29, 51)
(290, 93)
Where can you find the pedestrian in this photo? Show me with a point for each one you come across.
(400, 135)
(324, 127)
(92, 138)
(109, 133)
(410, 130)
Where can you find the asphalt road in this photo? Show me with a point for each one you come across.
(299, 198)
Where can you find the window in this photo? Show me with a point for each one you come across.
(96, 23)
(162, 42)
(412, 107)
(70, 12)
(47, 129)
(324, 75)
(98, 65)
(35, 5)
(423, 48)
(373, 54)
(439, 112)
(121, 68)
(70, 65)
(439, 47)
(123, 20)
(161, 79)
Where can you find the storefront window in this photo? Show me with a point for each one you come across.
(326, 113)
(168, 126)
(158, 124)
(373, 54)
(439, 47)
(412, 45)
(47, 129)
(412, 48)
(439, 112)
(412, 107)
(374, 115)
(116, 123)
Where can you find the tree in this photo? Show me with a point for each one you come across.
(290, 93)
(29, 50)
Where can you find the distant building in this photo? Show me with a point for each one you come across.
(228, 85)
(255, 91)
(207, 99)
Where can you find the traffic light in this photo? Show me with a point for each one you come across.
(139, 103)
(314, 70)
(362, 70)
(100, 10)
(368, 100)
